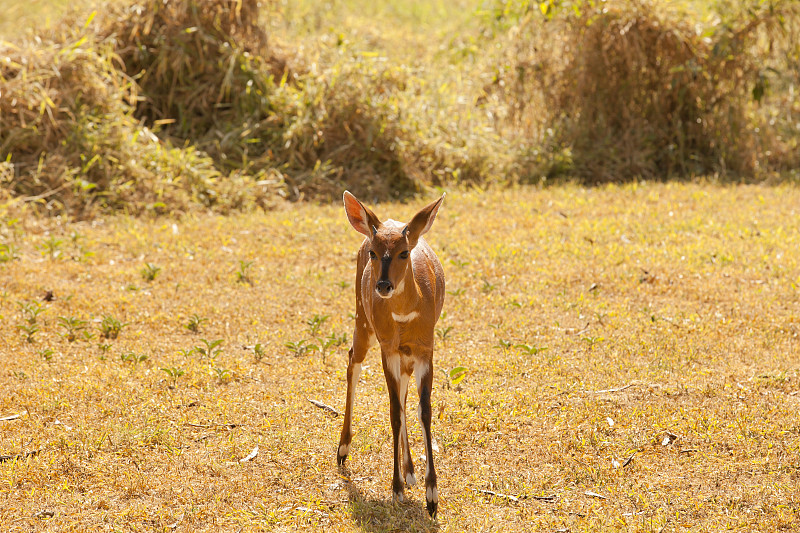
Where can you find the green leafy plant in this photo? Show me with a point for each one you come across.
(592, 341)
(455, 376)
(72, 327)
(443, 332)
(8, 252)
(174, 373)
(243, 274)
(110, 327)
(210, 349)
(51, 247)
(29, 330)
(258, 351)
(194, 323)
(300, 347)
(316, 322)
(149, 271)
(81, 253)
(503, 344)
(324, 345)
(531, 349)
(223, 374)
(487, 287)
(133, 357)
(31, 311)
(46, 354)
(457, 292)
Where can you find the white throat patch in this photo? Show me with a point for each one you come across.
(405, 318)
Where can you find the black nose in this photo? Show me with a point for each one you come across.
(384, 287)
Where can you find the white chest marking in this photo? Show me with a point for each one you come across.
(405, 318)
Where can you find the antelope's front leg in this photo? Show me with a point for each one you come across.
(356, 356)
(424, 374)
(391, 370)
(405, 449)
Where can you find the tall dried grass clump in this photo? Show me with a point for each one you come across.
(210, 77)
(71, 142)
(166, 105)
(623, 89)
(196, 62)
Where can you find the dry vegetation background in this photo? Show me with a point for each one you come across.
(154, 107)
(615, 354)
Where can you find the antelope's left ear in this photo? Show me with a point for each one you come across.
(422, 222)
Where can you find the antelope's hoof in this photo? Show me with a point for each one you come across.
(432, 509)
(341, 453)
(432, 501)
(398, 497)
(410, 479)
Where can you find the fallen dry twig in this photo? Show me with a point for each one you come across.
(606, 391)
(4, 458)
(551, 498)
(499, 495)
(324, 406)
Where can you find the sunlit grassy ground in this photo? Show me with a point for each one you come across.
(680, 301)
(18, 16)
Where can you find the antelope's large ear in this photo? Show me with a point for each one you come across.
(361, 218)
(422, 222)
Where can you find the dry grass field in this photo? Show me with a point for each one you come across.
(610, 358)
(632, 362)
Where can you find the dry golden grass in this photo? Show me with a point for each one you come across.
(162, 108)
(636, 89)
(680, 301)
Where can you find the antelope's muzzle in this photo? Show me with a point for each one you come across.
(384, 288)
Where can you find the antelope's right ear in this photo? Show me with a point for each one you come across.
(361, 218)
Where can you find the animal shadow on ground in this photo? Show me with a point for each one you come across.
(383, 514)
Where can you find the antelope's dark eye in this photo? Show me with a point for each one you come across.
(372, 255)
(403, 254)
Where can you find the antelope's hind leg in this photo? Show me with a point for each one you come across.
(361, 341)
